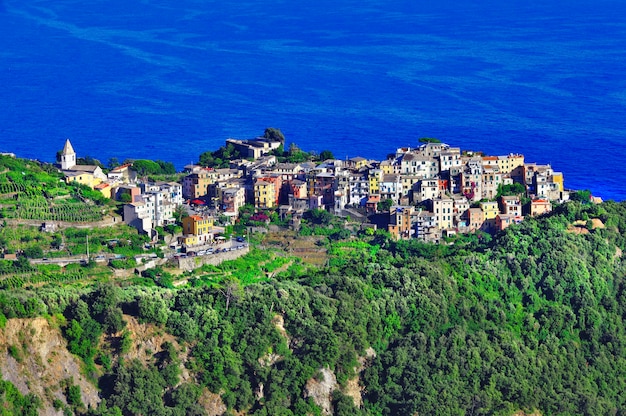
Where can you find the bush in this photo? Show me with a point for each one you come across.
(33, 252)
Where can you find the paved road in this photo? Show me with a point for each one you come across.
(106, 257)
(208, 250)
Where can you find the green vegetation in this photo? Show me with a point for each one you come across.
(12, 402)
(384, 205)
(529, 320)
(35, 191)
(274, 134)
(326, 154)
(28, 242)
(583, 196)
(145, 167)
(219, 158)
(513, 189)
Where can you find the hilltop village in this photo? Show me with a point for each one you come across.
(427, 193)
(263, 279)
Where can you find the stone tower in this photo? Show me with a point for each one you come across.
(68, 156)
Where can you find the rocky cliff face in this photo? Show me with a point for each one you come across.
(34, 357)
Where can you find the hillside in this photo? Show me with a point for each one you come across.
(30, 190)
(531, 321)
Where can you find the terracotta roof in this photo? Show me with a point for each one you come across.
(121, 167)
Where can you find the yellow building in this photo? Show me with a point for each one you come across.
(196, 185)
(197, 225)
(387, 167)
(105, 189)
(264, 194)
(82, 177)
(90, 175)
(197, 230)
(490, 209)
(557, 178)
(188, 240)
(375, 175)
(358, 162)
(510, 162)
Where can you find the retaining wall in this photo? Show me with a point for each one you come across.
(190, 263)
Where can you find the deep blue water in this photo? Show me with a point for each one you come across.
(169, 80)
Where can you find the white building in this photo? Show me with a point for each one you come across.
(154, 209)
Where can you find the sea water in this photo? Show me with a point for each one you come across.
(170, 80)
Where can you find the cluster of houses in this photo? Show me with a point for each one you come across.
(148, 205)
(434, 190)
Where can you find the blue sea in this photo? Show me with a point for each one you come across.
(169, 80)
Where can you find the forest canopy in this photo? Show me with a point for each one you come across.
(532, 320)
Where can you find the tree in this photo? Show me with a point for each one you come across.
(429, 140)
(180, 212)
(513, 189)
(385, 204)
(274, 135)
(33, 252)
(219, 158)
(88, 160)
(166, 168)
(279, 151)
(232, 290)
(206, 159)
(145, 167)
(321, 216)
(581, 196)
(293, 149)
(113, 163)
(74, 395)
(326, 154)
(296, 155)
(153, 309)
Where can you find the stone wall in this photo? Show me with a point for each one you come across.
(107, 221)
(190, 263)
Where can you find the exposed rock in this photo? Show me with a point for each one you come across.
(353, 388)
(321, 389)
(43, 362)
(260, 392)
(147, 340)
(212, 403)
(597, 223)
(269, 360)
(580, 226)
(279, 323)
